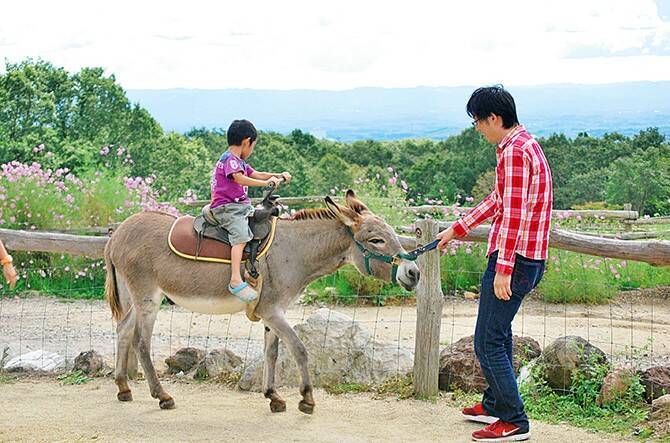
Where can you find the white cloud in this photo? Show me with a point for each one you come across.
(344, 43)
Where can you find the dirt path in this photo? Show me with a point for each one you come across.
(43, 410)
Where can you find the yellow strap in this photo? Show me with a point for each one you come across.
(222, 260)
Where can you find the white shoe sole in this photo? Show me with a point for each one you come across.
(488, 419)
(515, 437)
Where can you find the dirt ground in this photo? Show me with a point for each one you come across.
(44, 410)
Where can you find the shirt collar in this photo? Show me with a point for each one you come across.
(511, 135)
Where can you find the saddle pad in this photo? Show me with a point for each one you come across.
(183, 241)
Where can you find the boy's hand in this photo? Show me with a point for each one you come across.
(286, 176)
(273, 181)
(445, 237)
(10, 275)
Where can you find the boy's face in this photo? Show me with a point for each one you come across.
(247, 148)
(490, 128)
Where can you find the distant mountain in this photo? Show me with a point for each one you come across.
(388, 114)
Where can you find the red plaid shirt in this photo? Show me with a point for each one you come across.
(520, 203)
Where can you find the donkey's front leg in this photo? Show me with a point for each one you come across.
(277, 404)
(278, 324)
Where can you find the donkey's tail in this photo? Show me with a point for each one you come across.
(111, 290)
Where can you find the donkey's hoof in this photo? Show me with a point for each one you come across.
(125, 396)
(168, 403)
(278, 406)
(306, 407)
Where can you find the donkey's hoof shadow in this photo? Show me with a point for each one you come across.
(278, 406)
(125, 396)
(167, 403)
(305, 407)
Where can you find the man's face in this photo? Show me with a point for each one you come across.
(489, 127)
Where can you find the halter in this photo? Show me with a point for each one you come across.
(393, 260)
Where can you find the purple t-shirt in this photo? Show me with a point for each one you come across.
(224, 188)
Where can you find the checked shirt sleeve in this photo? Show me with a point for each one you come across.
(484, 210)
(517, 172)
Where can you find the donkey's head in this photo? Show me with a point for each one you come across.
(378, 250)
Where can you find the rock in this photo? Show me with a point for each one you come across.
(90, 363)
(36, 361)
(460, 369)
(184, 360)
(11, 349)
(567, 356)
(660, 416)
(656, 381)
(339, 350)
(470, 295)
(615, 385)
(217, 362)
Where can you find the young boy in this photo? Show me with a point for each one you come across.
(230, 203)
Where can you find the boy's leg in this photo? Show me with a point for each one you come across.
(236, 252)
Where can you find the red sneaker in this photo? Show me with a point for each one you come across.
(501, 431)
(478, 414)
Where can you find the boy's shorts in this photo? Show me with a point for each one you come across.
(234, 217)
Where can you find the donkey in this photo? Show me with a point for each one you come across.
(141, 270)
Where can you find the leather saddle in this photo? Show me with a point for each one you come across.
(201, 238)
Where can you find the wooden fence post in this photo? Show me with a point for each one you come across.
(428, 314)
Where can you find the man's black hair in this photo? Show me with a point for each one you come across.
(239, 130)
(493, 100)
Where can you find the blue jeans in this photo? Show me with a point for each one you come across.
(493, 338)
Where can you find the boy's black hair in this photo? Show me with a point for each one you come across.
(239, 130)
(493, 100)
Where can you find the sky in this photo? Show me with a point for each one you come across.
(343, 44)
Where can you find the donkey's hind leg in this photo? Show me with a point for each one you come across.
(147, 307)
(124, 330)
(277, 404)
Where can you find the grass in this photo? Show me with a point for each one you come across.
(73, 378)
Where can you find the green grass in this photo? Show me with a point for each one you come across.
(73, 378)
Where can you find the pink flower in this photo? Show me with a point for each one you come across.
(392, 181)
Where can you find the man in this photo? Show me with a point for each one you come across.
(520, 205)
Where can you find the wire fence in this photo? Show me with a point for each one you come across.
(631, 329)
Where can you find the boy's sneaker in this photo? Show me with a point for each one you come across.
(478, 414)
(244, 292)
(501, 431)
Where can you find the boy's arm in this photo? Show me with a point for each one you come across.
(266, 175)
(484, 210)
(244, 180)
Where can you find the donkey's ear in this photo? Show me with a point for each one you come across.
(344, 214)
(354, 203)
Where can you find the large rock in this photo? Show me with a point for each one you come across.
(566, 357)
(656, 381)
(615, 385)
(184, 360)
(339, 350)
(217, 362)
(660, 416)
(42, 361)
(90, 363)
(460, 369)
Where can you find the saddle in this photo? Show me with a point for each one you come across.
(201, 238)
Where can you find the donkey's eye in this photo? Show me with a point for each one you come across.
(376, 241)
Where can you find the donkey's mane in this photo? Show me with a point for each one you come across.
(314, 214)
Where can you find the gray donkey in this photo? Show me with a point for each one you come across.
(141, 270)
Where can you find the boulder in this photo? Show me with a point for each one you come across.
(460, 369)
(90, 363)
(41, 361)
(656, 381)
(184, 360)
(340, 350)
(615, 385)
(566, 357)
(217, 362)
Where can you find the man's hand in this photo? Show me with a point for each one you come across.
(273, 181)
(502, 286)
(10, 275)
(445, 237)
(286, 176)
